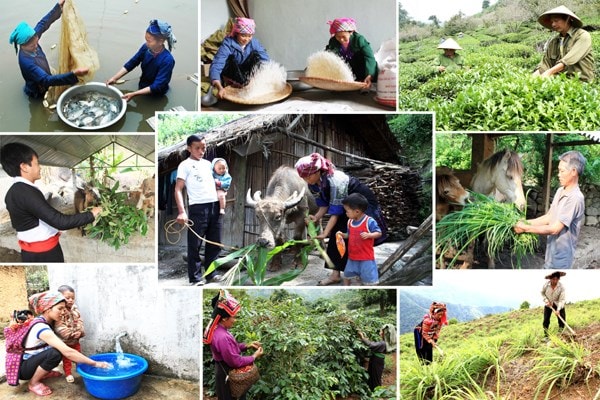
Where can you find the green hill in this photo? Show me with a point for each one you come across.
(504, 356)
(501, 48)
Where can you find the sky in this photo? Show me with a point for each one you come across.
(505, 287)
(420, 10)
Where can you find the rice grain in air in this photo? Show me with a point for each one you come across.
(327, 65)
(267, 78)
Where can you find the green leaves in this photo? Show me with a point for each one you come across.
(309, 353)
(254, 260)
(117, 221)
(488, 219)
(496, 92)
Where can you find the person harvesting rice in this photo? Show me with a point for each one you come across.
(562, 223)
(353, 48)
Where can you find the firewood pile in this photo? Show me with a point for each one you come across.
(398, 190)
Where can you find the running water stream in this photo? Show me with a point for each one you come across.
(122, 361)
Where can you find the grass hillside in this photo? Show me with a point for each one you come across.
(501, 47)
(504, 356)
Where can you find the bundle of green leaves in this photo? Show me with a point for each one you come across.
(488, 219)
(118, 220)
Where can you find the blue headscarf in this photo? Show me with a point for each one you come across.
(21, 35)
(163, 30)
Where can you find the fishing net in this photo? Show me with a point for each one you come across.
(74, 51)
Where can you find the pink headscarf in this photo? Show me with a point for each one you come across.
(341, 25)
(243, 25)
(41, 302)
(315, 162)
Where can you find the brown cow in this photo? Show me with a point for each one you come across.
(450, 194)
(146, 200)
(83, 198)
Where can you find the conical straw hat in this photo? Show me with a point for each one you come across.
(449, 44)
(544, 19)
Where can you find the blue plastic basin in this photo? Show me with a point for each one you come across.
(114, 383)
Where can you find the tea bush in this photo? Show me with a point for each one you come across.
(310, 352)
(495, 91)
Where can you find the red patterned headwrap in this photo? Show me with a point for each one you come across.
(341, 25)
(243, 25)
(41, 302)
(315, 162)
(224, 305)
(439, 307)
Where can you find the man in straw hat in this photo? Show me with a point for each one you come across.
(553, 294)
(569, 52)
(450, 60)
(562, 223)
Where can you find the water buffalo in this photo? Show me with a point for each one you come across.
(287, 200)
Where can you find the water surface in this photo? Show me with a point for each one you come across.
(115, 30)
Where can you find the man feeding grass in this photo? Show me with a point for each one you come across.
(562, 223)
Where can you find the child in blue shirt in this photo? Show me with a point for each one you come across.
(222, 181)
(362, 232)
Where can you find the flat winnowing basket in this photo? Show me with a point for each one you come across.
(236, 95)
(332, 84)
(241, 379)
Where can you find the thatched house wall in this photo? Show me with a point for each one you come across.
(256, 145)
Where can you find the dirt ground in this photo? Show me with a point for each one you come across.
(152, 387)
(519, 383)
(172, 269)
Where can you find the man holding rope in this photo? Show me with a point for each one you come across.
(204, 220)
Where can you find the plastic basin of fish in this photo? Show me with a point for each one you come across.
(293, 79)
(87, 89)
(115, 383)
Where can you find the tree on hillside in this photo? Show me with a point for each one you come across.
(434, 20)
(403, 18)
(457, 23)
(173, 128)
(413, 132)
(485, 4)
(524, 305)
(384, 298)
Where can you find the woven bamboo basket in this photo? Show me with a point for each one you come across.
(241, 379)
(332, 84)
(234, 95)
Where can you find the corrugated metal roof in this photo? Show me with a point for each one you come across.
(593, 136)
(70, 150)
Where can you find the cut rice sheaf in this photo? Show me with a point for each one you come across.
(327, 65)
(267, 78)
